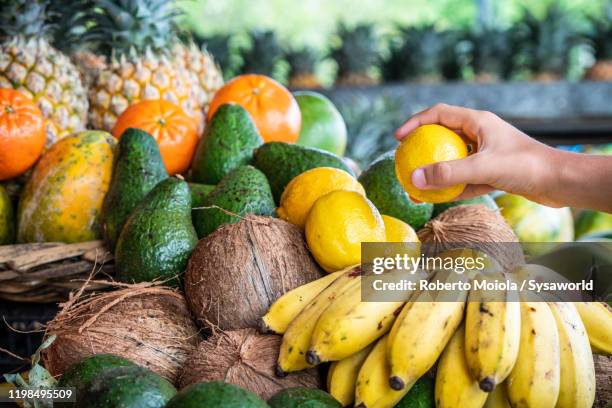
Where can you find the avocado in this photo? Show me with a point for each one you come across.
(199, 193)
(281, 162)
(215, 394)
(243, 191)
(138, 168)
(303, 398)
(126, 387)
(228, 142)
(388, 195)
(79, 375)
(421, 395)
(158, 237)
(486, 200)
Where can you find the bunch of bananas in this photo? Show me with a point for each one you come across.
(490, 352)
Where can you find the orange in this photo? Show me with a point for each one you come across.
(22, 133)
(175, 131)
(272, 107)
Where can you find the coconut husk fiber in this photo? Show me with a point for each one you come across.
(238, 271)
(477, 227)
(148, 325)
(603, 377)
(245, 358)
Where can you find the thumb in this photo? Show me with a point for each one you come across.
(470, 170)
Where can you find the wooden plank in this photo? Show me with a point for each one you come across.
(8, 275)
(60, 271)
(30, 260)
(8, 252)
(98, 255)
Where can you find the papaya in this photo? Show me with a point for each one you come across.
(62, 200)
(7, 219)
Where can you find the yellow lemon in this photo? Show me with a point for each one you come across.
(428, 144)
(337, 225)
(398, 230)
(303, 190)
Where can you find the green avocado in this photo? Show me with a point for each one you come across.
(281, 162)
(215, 394)
(303, 398)
(7, 218)
(138, 168)
(388, 195)
(486, 200)
(199, 193)
(158, 237)
(421, 395)
(228, 142)
(80, 374)
(243, 191)
(126, 387)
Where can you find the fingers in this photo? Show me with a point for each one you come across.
(470, 170)
(474, 190)
(468, 121)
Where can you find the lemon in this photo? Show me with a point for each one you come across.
(337, 225)
(303, 190)
(428, 144)
(398, 230)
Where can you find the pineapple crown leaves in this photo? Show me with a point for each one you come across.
(600, 34)
(302, 60)
(123, 26)
(492, 51)
(71, 20)
(27, 18)
(358, 50)
(263, 54)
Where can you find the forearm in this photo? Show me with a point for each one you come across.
(581, 180)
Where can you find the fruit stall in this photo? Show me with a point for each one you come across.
(184, 221)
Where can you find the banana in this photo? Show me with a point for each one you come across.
(288, 306)
(342, 376)
(455, 387)
(577, 386)
(498, 398)
(492, 335)
(534, 380)
(597, 319)
(350, 324)
(296, 340)
(372, 389)
(421, 332)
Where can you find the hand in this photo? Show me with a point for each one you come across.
(504, 158)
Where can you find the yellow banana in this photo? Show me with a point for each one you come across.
(455, 387)
(342, 376)
(372, 389)
(421, 332)
(492, 335)
(296, 340)
(498, 398)
(350, 324)
(577, 386)
(597, 319)
(534, 380)
(288, 306)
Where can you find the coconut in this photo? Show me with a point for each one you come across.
(474, 226)
(245, 358)
(238, 271)
(149, 325)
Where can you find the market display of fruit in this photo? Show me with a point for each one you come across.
(215, 239)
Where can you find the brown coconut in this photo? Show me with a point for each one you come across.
(236, 272)
(603, 376)
(150, 326)
(245, 358)
(478, 227)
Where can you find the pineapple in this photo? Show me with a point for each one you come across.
(357, 55)
(221, 46)
(302, 63)
(31, 65)
(601, 38)
(548, 42)
(263, 55)
(492, 54)
(146, 60)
